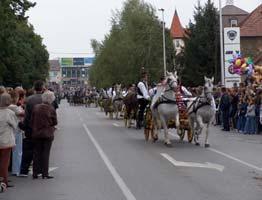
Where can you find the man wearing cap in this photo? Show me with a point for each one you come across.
(143, 98)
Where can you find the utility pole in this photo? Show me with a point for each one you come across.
(164, 40)
(221, 45)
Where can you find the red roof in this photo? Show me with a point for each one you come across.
(177, 30)
(252, 25)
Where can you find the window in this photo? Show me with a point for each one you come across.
(233, 22)
(74, 73)
(177, 44)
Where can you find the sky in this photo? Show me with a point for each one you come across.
(67, 26)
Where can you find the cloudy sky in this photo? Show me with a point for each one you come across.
(67, 26)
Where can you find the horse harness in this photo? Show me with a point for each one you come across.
(197, 104)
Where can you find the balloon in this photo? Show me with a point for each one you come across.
(243, 66)
(238, 62)
(244, 69)
(249, 61)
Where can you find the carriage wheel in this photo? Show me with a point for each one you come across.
(182, 134)
(190, 136)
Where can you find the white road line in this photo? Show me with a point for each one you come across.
(126, 191)
(193, 164)
(115, 124)
(236, 159)
(228, 156)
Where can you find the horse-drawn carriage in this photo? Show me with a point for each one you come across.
(184, 126)
(169, 110)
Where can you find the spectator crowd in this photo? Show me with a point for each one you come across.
(239, 108)
(27, 126)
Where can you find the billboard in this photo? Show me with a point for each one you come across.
(67, 61)
(78, 61)
(89, 61)
(231, 47)
(75, 62)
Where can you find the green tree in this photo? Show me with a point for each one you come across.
(23, 57)
(134, 41)
(201, 53)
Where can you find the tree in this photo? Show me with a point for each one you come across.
(23, 57)
(201, 53)
(134, 41)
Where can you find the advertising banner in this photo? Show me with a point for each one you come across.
(66, 62)
(89, 61)
(231, 48)
(78, 61)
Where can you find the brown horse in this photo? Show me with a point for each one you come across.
(131, 107)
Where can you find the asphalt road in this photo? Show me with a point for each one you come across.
(96, 158)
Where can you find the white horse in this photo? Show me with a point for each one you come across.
(118, 100)
(164, 107)
(202, 111)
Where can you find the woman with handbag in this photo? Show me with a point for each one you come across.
(43, 123)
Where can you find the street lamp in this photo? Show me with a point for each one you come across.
(221, 45)
(164, 40)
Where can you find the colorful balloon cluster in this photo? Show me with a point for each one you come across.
(241, 66)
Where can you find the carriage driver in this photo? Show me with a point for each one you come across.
(143, 98)
(184, 91)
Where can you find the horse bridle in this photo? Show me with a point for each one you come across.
(170, 83)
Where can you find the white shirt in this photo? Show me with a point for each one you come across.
(143, 90)
(109, 93)
(185, 91)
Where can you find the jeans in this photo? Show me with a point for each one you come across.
(17, 152)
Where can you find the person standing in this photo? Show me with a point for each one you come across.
(33, 100)
(250, 125)
(17, 150)
(8, 124)
(143, 98)
(225, 107)
(43, 122)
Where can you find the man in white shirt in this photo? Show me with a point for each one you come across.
(143, 99)
(111, 91)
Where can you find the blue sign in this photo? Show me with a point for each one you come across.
(78, 61)
(89, 60)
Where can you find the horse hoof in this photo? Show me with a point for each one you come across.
(197, 144)
(207, 145)
(155, 139)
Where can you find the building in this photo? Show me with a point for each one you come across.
(75, 71)
(233, 16)
(250, 25)
(251, 35)
(54, 71)
(177, 33)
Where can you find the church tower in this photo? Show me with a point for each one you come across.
(177, 33)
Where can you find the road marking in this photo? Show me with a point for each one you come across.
(81, 119)
(115, 124)
(236, 159)
(193, 164)
(126, 191)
